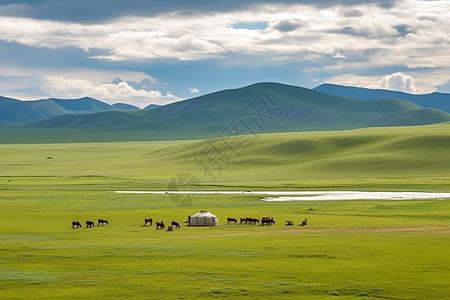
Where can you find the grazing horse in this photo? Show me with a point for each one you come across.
(101, 221)
(148, 221)
(252, 221)
(229, 220)
(175, 224)
(243, 220)
(304, 222)
(267, 221)
(89, 224)
(160, 225)
(76, 224)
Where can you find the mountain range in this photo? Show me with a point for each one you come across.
(254, 109)
(15, 112)
(435, 100)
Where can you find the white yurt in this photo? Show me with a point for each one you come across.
(203, 218)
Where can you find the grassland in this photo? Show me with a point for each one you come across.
(350, 249)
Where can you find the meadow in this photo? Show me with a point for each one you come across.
(350, 249)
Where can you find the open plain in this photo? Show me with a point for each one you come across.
(360, 248)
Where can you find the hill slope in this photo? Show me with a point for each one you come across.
(258, 108)
(15, 112)
(389, 158)
(439, 101)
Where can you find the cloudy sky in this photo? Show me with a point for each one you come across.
(148, 51)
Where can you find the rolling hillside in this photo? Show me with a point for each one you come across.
(15, 112)
(439, 101)
(390, 157)
(258, 108)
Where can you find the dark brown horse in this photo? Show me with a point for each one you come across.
(101, 221)
(243, 220)
(89, 224)
(175, 224)
(252, 221)
(148, 221)
(160, 225)
(231, 220)
(76, 224)
(267, 221)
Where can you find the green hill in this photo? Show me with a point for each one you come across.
(386, 157)
(15, 112)
(435, 100)
(410, 158)
(258, 108)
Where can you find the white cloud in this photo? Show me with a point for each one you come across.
(398, 82)
(89, 74)
(338, 55)
(121, 92)
(336, 39)
(293, 31)
(420, 82)
(194, 90)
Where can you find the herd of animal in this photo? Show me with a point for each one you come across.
(77, 224)
(252, 221)
(174, 224)
(161, 225)
(264, 221)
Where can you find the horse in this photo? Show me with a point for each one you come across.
(160, 225)
(101, 221)
(175, 224)
(229, 220)
(76, 224)
(304, 222)
(243, 220)
(148, 221)
(252, 221)
(267, 221)
(89, 224)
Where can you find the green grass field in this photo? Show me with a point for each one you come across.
(350, 249)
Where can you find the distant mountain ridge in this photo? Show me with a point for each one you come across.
(435, 100)
(16, 112)
(258, 108)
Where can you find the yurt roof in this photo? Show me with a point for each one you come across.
(203, 213)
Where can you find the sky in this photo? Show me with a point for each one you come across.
(156, 52)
